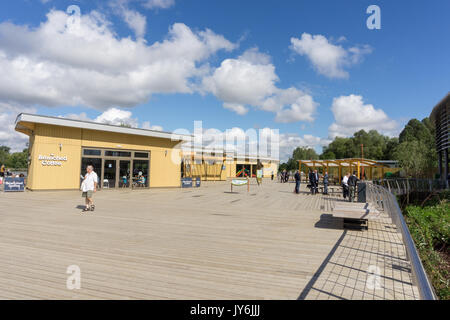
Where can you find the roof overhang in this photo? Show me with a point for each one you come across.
(64, 122)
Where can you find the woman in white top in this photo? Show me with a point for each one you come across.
(88, 187)
(345, 185)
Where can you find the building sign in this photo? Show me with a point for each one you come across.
(259, 174)
(186, 182)
(52, 160)
(14, 184)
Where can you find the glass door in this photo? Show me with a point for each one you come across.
(140, 173)
(109, 178)
(124, 173)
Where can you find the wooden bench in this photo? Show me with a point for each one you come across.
(355, 215)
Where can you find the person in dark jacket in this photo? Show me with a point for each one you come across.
(325, 183)
(316, 182)
(352, 180)
(298, 178)
(312, 181)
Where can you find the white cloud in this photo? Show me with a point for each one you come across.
(77, 116)
(291, 141)
(8, 136)
(116, 116)
(236, 107)
(148, 126)
(352, 115)
(61, 63)
(327, 58)
(250, 80)
(162, 4)
(136, 21)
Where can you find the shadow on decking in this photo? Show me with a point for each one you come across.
(355, 259)
(328, 222)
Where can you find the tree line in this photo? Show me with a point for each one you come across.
(15, 160)
(414, 149)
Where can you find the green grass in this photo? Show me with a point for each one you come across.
(430, 228)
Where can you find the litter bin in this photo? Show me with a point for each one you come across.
(361, 191)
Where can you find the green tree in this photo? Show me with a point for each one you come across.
(4, 154)
(418, 130)
(416, 151)
(18, 160)
(301, 153)
(414, 157)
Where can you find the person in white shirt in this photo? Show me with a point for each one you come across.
(88, 187)
(345, 185)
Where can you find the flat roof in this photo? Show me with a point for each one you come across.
(64, 122)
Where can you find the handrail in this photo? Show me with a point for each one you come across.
(411, 185)
(386, 201)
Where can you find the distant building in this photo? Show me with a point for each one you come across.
(440, 116)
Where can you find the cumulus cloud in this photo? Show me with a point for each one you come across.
(65, 63)
(291, 141)
(148, 126)
(327, 58)
(351, 115)
(250, 80)
(136, 21)
(114, 116)
(8, 136)
(161, 4)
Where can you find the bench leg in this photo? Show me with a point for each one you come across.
(356, 224)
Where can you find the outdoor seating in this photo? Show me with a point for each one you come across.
(355, 215)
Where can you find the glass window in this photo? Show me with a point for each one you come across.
(90, 152)
(141, 154)
(110, 153)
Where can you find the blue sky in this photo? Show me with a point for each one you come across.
(343, 76)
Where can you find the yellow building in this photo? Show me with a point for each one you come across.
(217, 165)
(60, 149)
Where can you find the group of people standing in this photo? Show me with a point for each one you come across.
(284, 176)
(349, 186)
(349, 183)
(314, 182)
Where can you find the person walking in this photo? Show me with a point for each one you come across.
(298, 178)
(88, 187)
(271, 176)
(352, 180)
(2, 171)
(325, 183)
(345, 185)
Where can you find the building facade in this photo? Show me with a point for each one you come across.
(440, 117)
(60, 149)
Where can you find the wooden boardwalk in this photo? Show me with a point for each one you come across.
(204, 243)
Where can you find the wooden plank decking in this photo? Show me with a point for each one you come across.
(204, 243)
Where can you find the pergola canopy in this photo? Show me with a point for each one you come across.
(353, 162)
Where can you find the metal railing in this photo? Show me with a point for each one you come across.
(402, 186)
(387, 202)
